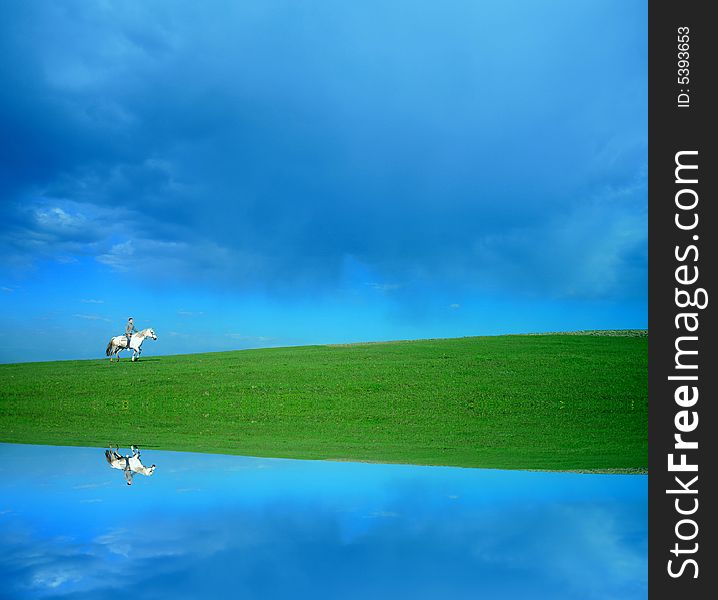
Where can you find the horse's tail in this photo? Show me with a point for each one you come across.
(109, 348)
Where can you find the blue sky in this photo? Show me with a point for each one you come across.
(221, 526)
(272, 173)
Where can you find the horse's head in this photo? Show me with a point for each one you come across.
(151, 470)
(151, 333)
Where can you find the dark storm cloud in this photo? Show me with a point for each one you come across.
(261, 143)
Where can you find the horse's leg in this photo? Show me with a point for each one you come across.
(113, 452)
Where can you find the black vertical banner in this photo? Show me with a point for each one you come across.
(683, 543)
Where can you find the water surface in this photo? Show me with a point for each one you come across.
(225, 526)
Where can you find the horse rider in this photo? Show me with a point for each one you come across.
(125, 464)
(129, 330)
(127, 470)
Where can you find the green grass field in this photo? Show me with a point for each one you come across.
(568, 402)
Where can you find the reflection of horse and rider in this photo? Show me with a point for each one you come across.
(128, 464)
(131, 340)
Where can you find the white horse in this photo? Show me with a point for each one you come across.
(128, 464)
(119, 343)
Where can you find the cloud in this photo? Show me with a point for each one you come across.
(41, 228)
(250, 528)
(454, 306)
(88, 486)
(92, 301)
(189, 313)
(408, 144)
(562, 551)
(91, 317)
(385, 287)
(57, 219)
(250, 338)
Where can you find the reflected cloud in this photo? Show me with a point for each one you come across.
(306, 529)
(89, 486)
(384, 514)
(567, 553)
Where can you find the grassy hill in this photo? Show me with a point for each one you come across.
(575, 402)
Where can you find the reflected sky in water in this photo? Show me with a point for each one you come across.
(225, 526)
